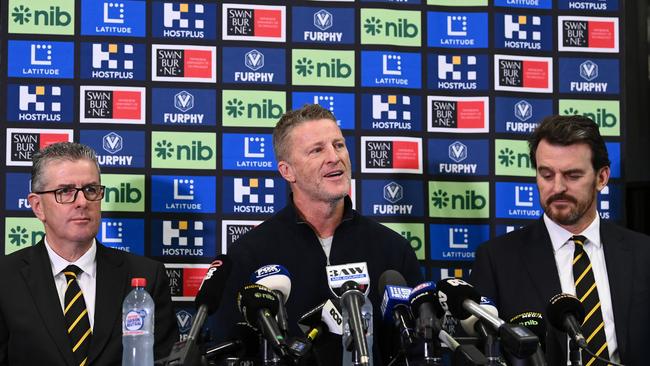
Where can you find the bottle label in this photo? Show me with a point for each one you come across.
(134, 322)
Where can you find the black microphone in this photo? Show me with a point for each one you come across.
(278, 279)
(534, 321)
(324, 317)
(566, 313)
(245, 343)
(352, 299)
(395, 306)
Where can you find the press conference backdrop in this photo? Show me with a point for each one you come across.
(435, 99)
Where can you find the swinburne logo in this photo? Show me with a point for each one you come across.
(22, 143)
(112, 104)
(457, 114)
(396, 27)
(241, 22)
(231, 230)
(183, 63)
(587, 34)
(523, 73)
(185, 280)
(391, 154)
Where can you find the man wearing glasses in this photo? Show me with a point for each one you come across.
(61, 300)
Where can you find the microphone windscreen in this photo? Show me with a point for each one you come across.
(248, 338)
(275, 277)
(534, 321)
(254, 297)
(392, 278)
(560, 305)
(213, 284)
(456, 291)
(425, 293)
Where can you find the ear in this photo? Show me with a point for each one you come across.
(286, 171)
(37, 205)
(602, 177)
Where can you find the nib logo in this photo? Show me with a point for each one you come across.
(235, 108)
(267, 109)
(373, 26)
(53, 16)
(21, 14)
(18, 236)
(440, 199)
(506, 157)
(304, 66)
(164, 149)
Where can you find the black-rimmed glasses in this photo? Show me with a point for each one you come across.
(92, 192)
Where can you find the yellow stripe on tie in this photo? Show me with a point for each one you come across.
(65, 311)
(83, 363)
(77, 320)
(591, 312)
(576, 259)
(70, 274)
(588, 292)
(69, 282)
(583, 275)
(593, 359)
(83, 338)
(593, 334)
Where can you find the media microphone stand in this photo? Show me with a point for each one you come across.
(574, 353)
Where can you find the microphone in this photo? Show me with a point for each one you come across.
(566, 313)
(246, 340)
(325, 316)
(278, 279)
(395, 306)
(535, 322)
(474, 326)
(259, 304)
(461, 299)
(352, 299)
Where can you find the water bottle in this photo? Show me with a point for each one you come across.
(137, 326)
(366, 315)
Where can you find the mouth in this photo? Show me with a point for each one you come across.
(334, 174)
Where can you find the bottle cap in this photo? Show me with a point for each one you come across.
(138, 282)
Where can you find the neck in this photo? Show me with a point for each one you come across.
(70, 252)
(323, 217)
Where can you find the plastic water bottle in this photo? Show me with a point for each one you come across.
(366, 317)
(138, 311)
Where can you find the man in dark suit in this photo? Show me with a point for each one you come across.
(570, 249)
(43, 286)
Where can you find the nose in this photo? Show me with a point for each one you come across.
(559, 185)
(333, 155)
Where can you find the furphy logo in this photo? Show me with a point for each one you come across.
(123, 234)
(232, 230)
(392, 198)
(184, 238)
(41, 17)
(22, 232)
(603, 5)
(114, 61)
(185, 280)
(39, 103)
(194, 194)
(243, 22)
(606, 113)
(183, 150)
(322, 67)
(391, 69)
(614, 152)
(391, 112)
(523, 73)
(248, 152)
(341, 104)
(457, 114)
(520, 115)
(458, 72)
(112, 104)
(183, 63)
(124, 18)
(252, 108)
(587, 34)
(512, 157)
(323, 25)
(40, 59)
(17, 187)
(123, 149)
(22, 143)
(254, 65)
(517, 201)
(390, 27)
(391, 154)
(456, 242)
(184, 20)
(124, 192)
(255, 196)
(532, 4)
(184, 321)
(459, 199)
(458, 157)
(187, 107)
(413, 233)
(589, 76)
(523, 32)
(457, 30)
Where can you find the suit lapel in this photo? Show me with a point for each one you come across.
(38, 276)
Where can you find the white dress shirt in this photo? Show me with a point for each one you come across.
(86, 279)
(563, 249)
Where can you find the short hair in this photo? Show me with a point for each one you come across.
(570, 130)
(291, 119)
(70, 151)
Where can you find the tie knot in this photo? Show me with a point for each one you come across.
(579, 240)
(71, 271)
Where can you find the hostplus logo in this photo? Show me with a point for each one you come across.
(527, 32)
(182, 238)
(41, 17)
(392, 112)
(382, 26)
(41, 103)
(112, 61)
(183, 16)
(254, 195)
(393, 193)
(459, 199)
(458, 72)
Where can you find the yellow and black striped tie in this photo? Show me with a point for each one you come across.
(593, 327)
(76, 316)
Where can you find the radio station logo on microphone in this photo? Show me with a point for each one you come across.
(528, 4)
(185, 279)
(380, 154)
(112, 104)
(413, 233)
(183, 63)
(123, 192)
(523, 32)
(252, 108)
(457, 29)
(22, 143)
(587, 34)
(614, 152)
(232, 230)
(341, 104)
(183, 238)
(457, 72)
(386, 69)
(520, 115)
(124, 18)
(589, 76)
(183, 150)
(254, 65)
(242, 151)
(39, 103)
(184, 20)
(40, 59)
(116, 148)
(391, 112)
(184, 107)
(322, 67)
(390, 27)
(123, 234)
(112, 61)
(457, 114)
(512, 157)
(610, 203)
(456, 242)
(517, 201)
(184, 321)
(392, 198)
(22, 232)
(606, 113)
(193, 194)
(254, 196)
(459, 199)
(462, 157)
(248, 22)
(41, 17)
(17, 187)
(590, 5)
(323, 25)
(523, 73)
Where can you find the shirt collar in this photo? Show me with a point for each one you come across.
(86, 262)
(560, 236)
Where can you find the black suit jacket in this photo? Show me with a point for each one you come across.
(518, 272)
(32, 326)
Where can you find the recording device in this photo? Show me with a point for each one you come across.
(566, 313)
(534, 321)
(245, 340)
(278, 279)
(324, 317)
(395, 306)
